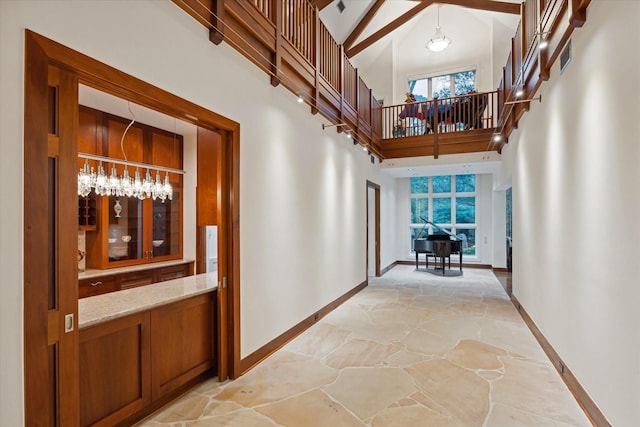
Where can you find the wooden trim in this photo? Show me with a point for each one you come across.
(589, 407)
(362, 25)
(387, 268)
(42, 52)
(216, 33)
(275, 344)
(37, 403)
(500, 269)
(490, 5)
(376, 188)
(391, 26)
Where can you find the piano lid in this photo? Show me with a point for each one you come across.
(441, 230)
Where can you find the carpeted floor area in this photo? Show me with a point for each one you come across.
(412, 349)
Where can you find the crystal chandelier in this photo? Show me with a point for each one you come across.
(124, 186)
(439, 41)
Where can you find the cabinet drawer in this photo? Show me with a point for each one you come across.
(173, 272)
(96, 286)
(137, 278)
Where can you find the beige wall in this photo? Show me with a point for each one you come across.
(303, 190)
(576, 204)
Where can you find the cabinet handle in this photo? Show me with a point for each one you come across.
(95, 283)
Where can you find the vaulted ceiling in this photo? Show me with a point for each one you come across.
(368, 27)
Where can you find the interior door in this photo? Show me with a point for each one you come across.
(51, 244)
(373, 229)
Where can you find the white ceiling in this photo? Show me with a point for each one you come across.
(471, 33)
(462, 25)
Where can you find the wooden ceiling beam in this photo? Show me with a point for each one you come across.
(490, 5)
(360, 27)
(321, 4)
(396, 23)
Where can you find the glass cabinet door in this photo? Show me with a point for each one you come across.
(125, 235)
(166, 226)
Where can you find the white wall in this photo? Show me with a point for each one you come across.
(303, 190)
(388, 219)
(576, 206)
(379, 77)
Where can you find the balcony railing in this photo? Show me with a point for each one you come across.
(286, 39)
(446, 115)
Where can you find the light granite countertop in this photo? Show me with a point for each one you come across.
(90, 273)
(101, 308)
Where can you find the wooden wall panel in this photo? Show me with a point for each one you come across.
(166, 151)
(182, 342)
(208, 181)
(114, 370)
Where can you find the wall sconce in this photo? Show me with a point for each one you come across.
(330, 126)
(497, 137)
(537, 98)
(519, 91)
(300, 98)
(544, 41)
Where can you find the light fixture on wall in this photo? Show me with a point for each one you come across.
(497, 137)
(519, 91)
(300, 98)
(439, 41)
(543, 39)
(519, 101)
(330, 126)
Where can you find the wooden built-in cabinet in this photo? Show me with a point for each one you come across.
(130, 363)
(115, 282)
(115, 377)
(130, 231)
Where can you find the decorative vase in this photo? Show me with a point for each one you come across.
(117, 208)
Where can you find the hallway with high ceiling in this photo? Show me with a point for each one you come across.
(410, 349)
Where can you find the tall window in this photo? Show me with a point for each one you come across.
(444, 86)
(447, 200)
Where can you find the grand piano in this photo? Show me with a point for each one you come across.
(440, 245)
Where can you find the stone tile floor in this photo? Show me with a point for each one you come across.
(412, 349)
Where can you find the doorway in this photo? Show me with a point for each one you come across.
(52, 75)
(373, 229)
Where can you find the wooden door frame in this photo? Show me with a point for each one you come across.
(376, 188)
(40, 53)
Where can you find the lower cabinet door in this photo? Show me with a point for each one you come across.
(182, 342)
(114, 370)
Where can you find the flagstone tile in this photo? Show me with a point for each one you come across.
(275, 381)
(410, 349)
(244, 418)
(461, 392)
(366, 391)
(405, 358)
(189, 407)
(503, 415)
(545, 393)
(314, 408)
(404, 416)
(360, 353)
(319, 340)
(472, 354)
(428, 343)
